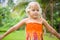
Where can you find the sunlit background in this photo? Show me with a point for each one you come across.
(12, 11)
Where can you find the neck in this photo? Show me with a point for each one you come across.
(34, 18)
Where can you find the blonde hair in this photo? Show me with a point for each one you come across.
(29, 5)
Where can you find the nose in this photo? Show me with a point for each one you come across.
(36, 11)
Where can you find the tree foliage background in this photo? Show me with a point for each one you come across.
(14, 12)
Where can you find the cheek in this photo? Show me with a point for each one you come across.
(31, 13)
(39, 13)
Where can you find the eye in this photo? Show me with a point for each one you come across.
(33, 9)
(37, 9)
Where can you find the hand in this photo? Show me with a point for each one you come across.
(1, 37)
(59, 36)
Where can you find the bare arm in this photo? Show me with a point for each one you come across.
(15, 27)
(50, 29)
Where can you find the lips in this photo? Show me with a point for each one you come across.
(35, 14)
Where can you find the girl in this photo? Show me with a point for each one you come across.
(34, 24)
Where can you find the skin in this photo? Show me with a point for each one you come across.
(34, 17)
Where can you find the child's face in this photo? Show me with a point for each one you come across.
(34, 11)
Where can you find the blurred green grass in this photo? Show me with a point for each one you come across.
(20, 35)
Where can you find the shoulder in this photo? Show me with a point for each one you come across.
(43, 20)
(25, 19)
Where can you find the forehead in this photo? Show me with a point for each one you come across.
(34, 6)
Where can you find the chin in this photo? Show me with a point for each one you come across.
(35, 17)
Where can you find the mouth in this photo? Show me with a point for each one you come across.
(36, 14)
